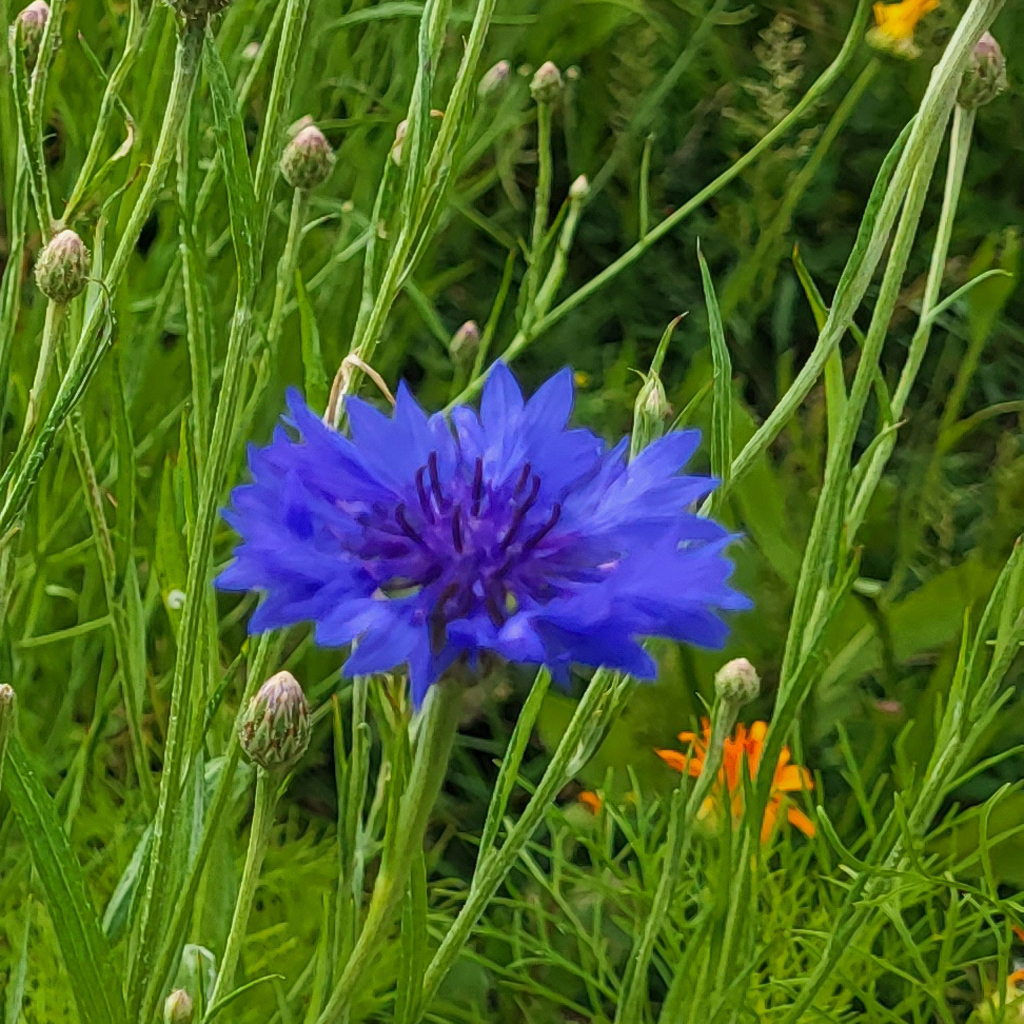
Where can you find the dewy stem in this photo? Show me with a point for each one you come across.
(267, 788)
(440, 722)
(84, 355)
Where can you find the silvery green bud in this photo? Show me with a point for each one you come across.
(465, 342)
(396, 147)
(737, 681)
(8, 708)
(985, 76)
(62, 268)
(276, 728)
(494, 79)
(178, 1008)
(547, 83)
(579, 190)
(308, 159)
(650, 411)
(198, 10)
(32, 21)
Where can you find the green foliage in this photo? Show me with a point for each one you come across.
(867, 428)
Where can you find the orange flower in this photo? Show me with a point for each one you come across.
(895, 24)
(592, 801)
(745, 745)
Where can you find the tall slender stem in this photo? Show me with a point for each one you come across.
(430, 764)
(286, 268)
(541, 199)
(52, 326)
(267, 784)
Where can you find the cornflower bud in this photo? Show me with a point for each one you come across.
(737, 681)
(32, 20)
(198, 10)
(985, 76)
(178, 1008)
(396, 147)
(579, 190)
(63, 266)
(8, 709)
(465, 342)
(547, 83)
(308, 159)
(276, 728)
(494, 79)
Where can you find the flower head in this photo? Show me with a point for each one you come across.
(425, 540)
(276, 727)
(895, 24)
(745, 746)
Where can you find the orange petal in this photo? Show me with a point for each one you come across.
(758, 731)
(592, 801)
(770, 813)
(1018, 931)
(681, 762)
(800, 820)
(793, 778)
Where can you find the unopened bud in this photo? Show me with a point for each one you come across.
(276, 727)
(650, 411)
(178, 1008)
(62, 268)
(198, 10)
(465, 342)
(579, 189)
(985, 76)
(547, 83)
(32, 22)
(308, 159)
(737, 681)
(396, 147)
(8, 709)
(494, 79)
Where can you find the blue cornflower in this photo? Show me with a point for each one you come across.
(426, 540)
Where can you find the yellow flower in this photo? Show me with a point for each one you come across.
(745, 745)
(895, 24)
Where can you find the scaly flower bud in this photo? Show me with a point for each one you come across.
(465, 342)
(276, 728)
(63, 267)
(547, 83)
(178, 1008)
(32, 21)
(985, 76)
(198, 10)
(308, 159)
(494, 79)
(737, 681)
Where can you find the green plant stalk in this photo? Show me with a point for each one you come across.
(173, 937)
(433, 747)
(267, 787)
(635, 984)
(541, 200)
(286, 269)
(31, 138)
(524, 338)
(115, 605)
(85, 355)
(52, 327)
(423, 207)
(594, 714)
(183, 700)
(8, 710)
(959, 148)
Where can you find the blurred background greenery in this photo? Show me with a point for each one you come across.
(942, 523)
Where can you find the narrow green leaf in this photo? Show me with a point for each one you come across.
(94, 981)
(318, 388)
(228, 128)
(721, 391)
(170, 561)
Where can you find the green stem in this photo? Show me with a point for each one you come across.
(8, 709)
(259, 838)
(680, 836)
(52, 326)
(286, 269)
(541, 199)
(524, 338)
(433, 747)
(84, 359)
(959, 148)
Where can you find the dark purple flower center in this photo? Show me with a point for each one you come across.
(472, 541)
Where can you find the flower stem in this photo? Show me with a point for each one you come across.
(286, 269)
(542, 198)
(267, 788)
(51, 333)
(437, 733)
